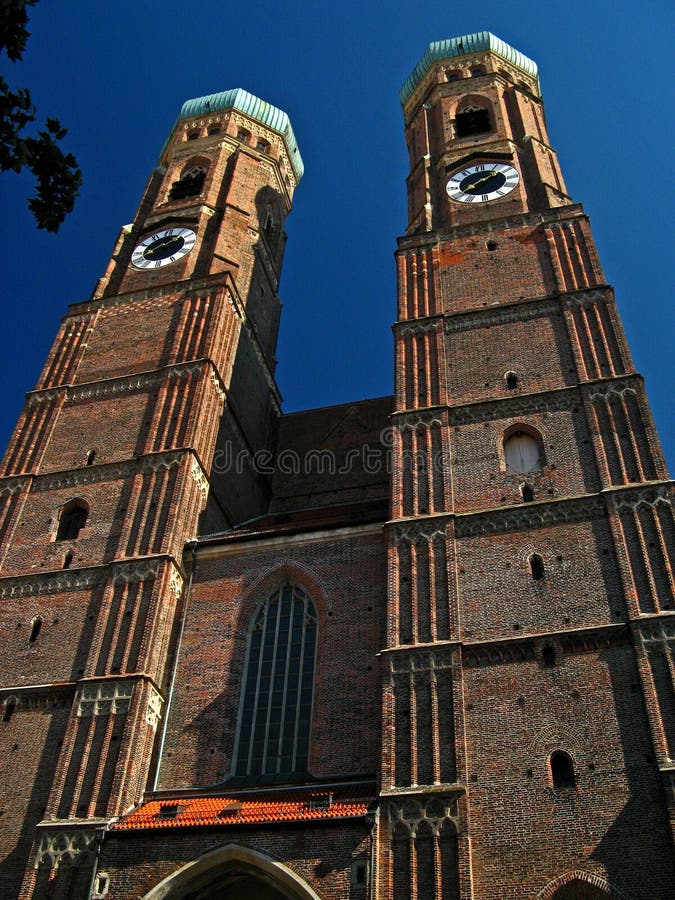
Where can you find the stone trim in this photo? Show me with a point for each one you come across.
(657, 634)
(536, 515)
(567, 213)
(614, 387)
(523, 405)
(501, 315)
(199, 477)
(13, 484)
(108, 471)
(105, 698)
(153, 712)
(411, 421)
(119, 572)
(437, 808)
(548, 893)
(417, 530)
(635, 498)
(71, 845)
(126, 384)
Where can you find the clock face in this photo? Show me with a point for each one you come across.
(482, 182)
(163, 247)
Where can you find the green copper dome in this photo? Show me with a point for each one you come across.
(460, 46)
(254, 107)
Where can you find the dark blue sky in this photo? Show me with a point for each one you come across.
(116, 74)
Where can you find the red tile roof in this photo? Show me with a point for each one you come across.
(292, 806)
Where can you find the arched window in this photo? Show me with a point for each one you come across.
(278, 686)
(72, 521)
(511, 380)
(477, 71)
(472, 120)
(522, 451)
(561, 769)
(453, 74)
(190, 184)
(537, 567)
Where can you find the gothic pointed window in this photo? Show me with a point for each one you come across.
(72, 521)
(277, 687)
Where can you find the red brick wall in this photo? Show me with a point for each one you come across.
(345, 578)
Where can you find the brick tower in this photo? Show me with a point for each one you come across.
(528, 700)
(224, 677)
(110, 471)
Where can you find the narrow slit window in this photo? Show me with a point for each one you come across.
(36, 627)
(562, 770)
(8, 709)
(548, 656)
(537, 567)
(527, 493)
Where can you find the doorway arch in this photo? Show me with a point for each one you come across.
(231, 872)
(580, 886)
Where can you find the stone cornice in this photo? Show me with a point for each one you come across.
(127, 384)
(504, 313)
(433, 238)
(565, 398)
(125, 571)
(511, 405)
(540, 514)
(173, 289)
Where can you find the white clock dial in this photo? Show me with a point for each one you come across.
(482, 182)
(163, 247)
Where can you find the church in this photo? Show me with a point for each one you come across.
(418, 647)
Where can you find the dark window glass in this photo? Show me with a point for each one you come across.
(276, 703)
(472, 121)
(72, 521)
(190, 185)
(8, 712)
(35, 630)
(562, 770)
(537, 567)
(548, 656)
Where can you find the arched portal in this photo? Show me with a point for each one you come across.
(580, 890)
(580, 886)
(232, 873)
